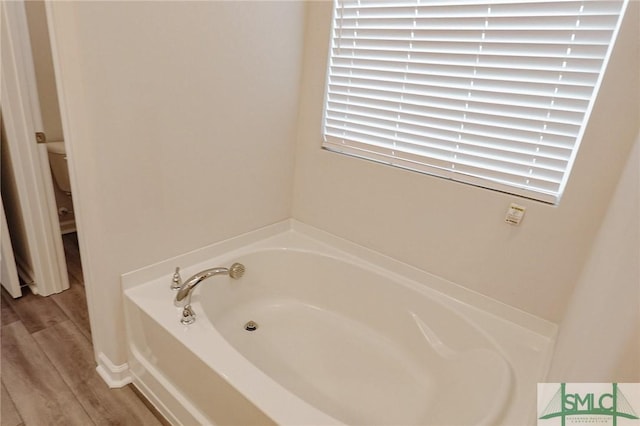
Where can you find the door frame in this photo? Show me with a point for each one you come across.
(8, 270)
(21, 118)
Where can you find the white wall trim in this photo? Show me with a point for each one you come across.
(98, 338)
(116, 376)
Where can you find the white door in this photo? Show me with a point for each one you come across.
(21, 119)
(8, 271)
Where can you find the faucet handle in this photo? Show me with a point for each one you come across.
(188, 316)
(176, 281)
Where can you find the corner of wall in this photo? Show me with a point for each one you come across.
(599, 338)
(116, 376)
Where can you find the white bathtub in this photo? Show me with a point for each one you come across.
(345, 336)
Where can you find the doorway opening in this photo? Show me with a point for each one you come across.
(36, 192)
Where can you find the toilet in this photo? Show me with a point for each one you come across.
(58, 162)
(61, 186)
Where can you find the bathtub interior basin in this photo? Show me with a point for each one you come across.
(357, 344)
(320, 331)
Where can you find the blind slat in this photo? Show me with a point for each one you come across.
(494, 93)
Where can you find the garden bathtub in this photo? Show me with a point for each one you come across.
(320, 331)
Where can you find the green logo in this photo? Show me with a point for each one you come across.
(565, 404)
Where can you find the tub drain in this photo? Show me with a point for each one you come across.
(251, 326)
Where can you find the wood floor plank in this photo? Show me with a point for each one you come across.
(9, 415)
(72, 355)
(73, 303)
(46, 344)
(7, 314)
(36, 312)
(36, 388)
(149, 405)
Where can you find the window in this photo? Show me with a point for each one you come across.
(491, 93)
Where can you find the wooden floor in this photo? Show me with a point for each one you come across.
(48, 372)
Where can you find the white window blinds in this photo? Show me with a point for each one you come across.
(492, 93)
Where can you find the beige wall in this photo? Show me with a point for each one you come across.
(180, 124)
(457, 231)
(45, 77)
(181, 128)
(599, 338)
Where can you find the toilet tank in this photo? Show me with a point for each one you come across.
(58, 162)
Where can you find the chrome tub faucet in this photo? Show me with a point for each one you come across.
(183, 297)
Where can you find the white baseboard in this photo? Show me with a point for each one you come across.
(116, 376)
